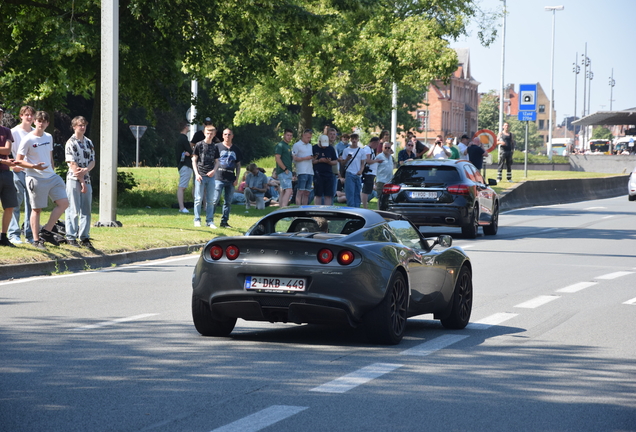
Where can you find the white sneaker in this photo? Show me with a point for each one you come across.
(212, 226)
(184, 210)
(16, 240)
(197, 223)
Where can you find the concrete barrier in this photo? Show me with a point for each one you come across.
(622, 164)
(549, 192)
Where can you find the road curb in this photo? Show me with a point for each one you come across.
(14, 271)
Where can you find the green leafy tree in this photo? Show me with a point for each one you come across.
(601, 132)
(488, 117)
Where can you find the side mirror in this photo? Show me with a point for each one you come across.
(492, 182)
(443, 240)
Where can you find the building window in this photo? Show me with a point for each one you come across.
(541, 124)
(541, 108)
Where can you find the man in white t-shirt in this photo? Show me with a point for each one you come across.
(463, 147)
(19, 180)
(302, 154)
(353, 158)
(36, 155)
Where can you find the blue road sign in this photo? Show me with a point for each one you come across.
(527, 97)
(527, 116)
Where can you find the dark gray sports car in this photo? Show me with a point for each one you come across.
(326, 265)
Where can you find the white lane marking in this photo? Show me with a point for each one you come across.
(490, 321)
(576, 287)
(536, 302)
(434, 345)
(630, 302)
(467, 246)
(354, 379)
(614, 275)
(261, 419)
(113, 322)
(109, 269)
(607, 217)
(594, 208)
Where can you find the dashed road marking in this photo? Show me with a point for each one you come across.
(536, 302)
(113, 322)
(576, 287)
(614, 275)
(433, 345)
(354, 379)
(262, 419)
(490, 321)
(630, 302)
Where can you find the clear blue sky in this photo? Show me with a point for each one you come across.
(608, 27)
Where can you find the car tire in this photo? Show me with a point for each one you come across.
(462, 301)
(386, 323)
(206, 324)
(494, 223)
(472, 227)
(632, 197)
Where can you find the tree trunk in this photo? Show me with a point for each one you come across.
(306, 111)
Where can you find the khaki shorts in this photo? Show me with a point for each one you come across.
(41, 189)
(185, 174)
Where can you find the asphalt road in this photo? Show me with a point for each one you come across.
(551, 347)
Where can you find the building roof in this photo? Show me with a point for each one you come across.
(627, 117)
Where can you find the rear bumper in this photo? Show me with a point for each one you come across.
(433, 215)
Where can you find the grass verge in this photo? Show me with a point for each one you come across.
(149, 221)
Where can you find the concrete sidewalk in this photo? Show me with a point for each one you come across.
(526, 194)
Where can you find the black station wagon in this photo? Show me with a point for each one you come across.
(443, 193)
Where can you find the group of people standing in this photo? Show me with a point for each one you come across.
(215, 166)
(28, 152)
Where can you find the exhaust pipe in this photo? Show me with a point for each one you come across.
(449, 220)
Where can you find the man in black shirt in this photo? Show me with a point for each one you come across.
(184, 163)
(205, 163)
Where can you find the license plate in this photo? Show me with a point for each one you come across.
(429, 195)
(275, 283)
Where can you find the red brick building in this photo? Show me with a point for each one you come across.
(450, 109)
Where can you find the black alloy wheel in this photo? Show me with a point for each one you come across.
(205, 323)
(494, 223)
(386, 323)
(471, 229)
(462, 301)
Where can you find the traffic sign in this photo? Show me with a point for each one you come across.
(527, 97)
(487, 138)
(138, 131)
(527, 116)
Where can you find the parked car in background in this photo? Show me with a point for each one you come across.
(331, 265)
(631, 186)
(443, 193)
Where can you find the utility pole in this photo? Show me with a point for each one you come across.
(109, 114)
(612, 83)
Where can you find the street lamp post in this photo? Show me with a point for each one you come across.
(503, 62)
(612, 83)
(552, 9)
(576, 70)
(590, 77)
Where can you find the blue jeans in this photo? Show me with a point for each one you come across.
(227, 187)
(19, 180)
(353, 187)
(78, 213)
(205, 186)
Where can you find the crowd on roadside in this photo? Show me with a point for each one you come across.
(321, 171)
(28, 179)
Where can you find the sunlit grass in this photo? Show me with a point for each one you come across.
(149, 221)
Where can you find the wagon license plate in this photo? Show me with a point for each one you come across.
(427, 195)
(275, 283)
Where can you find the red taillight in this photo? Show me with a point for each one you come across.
(459, 189)
(325, 256)
(345, 257)
(232, 252)
(216, 252)
(391, 188)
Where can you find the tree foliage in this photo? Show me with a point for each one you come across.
(601, 132)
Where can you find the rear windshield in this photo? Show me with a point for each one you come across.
(426, 174)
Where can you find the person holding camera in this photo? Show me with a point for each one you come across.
(438, 150)
(353, 159)
(370, 169)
